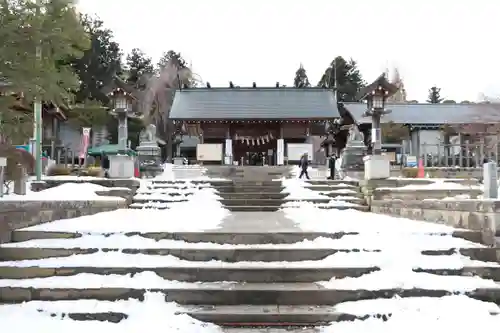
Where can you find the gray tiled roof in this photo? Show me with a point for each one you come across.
(254, 103)
(427, 114)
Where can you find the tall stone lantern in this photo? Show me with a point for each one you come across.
(375, 95)
(122, 165)
(122, 110)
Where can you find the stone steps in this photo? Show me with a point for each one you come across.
(250, 188)
(238, 315)
(276, 274)
(231, 255)
(226, 293)
(232, 238)
(253, 195)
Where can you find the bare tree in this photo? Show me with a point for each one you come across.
(158, 97)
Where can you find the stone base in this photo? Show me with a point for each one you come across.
(121, 166)
(377, 167)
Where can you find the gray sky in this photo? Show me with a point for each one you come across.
(451, 44)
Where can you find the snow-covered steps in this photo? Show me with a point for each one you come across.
(163, 194)
(224, 253)
(230, 293)
(324, 194)
(353, 239)
(190, 273)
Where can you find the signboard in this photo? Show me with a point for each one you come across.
(228, 157)
(411, 161)
(296, 150)
(209, 151)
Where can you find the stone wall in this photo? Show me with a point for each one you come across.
(124, 188)
(446, 172)
(49, 182)
(22, 213)
(480, 215)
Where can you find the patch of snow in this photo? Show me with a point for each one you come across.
(297, 190)
(460, 317)
(349, 220)
(162, 316)
(177, 218)
(416, 304)
(64, 192)
(407, 279)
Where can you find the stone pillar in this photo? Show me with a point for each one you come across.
(122, 130)
(490, 180)
(376, 135)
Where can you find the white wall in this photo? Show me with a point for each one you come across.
(433, 140)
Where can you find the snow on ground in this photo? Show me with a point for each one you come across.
(153, 312)
(458, 314)
(66, 191)
(310, 218)
(181, 216)
(297, 190)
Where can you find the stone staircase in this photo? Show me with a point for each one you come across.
(339, 194)
(252, 196)
(259, 295)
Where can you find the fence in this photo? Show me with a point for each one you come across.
(458, 155)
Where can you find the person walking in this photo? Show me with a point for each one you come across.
(331, 166)
(304, 163)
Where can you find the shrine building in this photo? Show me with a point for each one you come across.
(260, 126)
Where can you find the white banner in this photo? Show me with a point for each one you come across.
(228, 153)
(280, 152)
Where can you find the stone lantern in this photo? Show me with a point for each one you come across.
(122, 165)
(375, 95)
(122, 110)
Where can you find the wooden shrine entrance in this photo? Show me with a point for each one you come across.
(255, 144)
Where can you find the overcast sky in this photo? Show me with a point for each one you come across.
(451, 44)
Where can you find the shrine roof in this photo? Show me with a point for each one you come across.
(437, 114)
(254, 103)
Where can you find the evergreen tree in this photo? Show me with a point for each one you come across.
(138, 64)
(99, 64)
(167, 56)
(345, 76)
(434, 95)
(50, 27)
(301, 80)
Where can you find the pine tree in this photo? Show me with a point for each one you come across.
(434, 95)
(301, 80)
(138, 64)
(345, 76)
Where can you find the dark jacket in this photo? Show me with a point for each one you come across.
(331, 162)
(304, 163)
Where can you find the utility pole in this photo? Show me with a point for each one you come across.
(37, 108)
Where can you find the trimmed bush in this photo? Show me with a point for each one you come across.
(58, 170)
